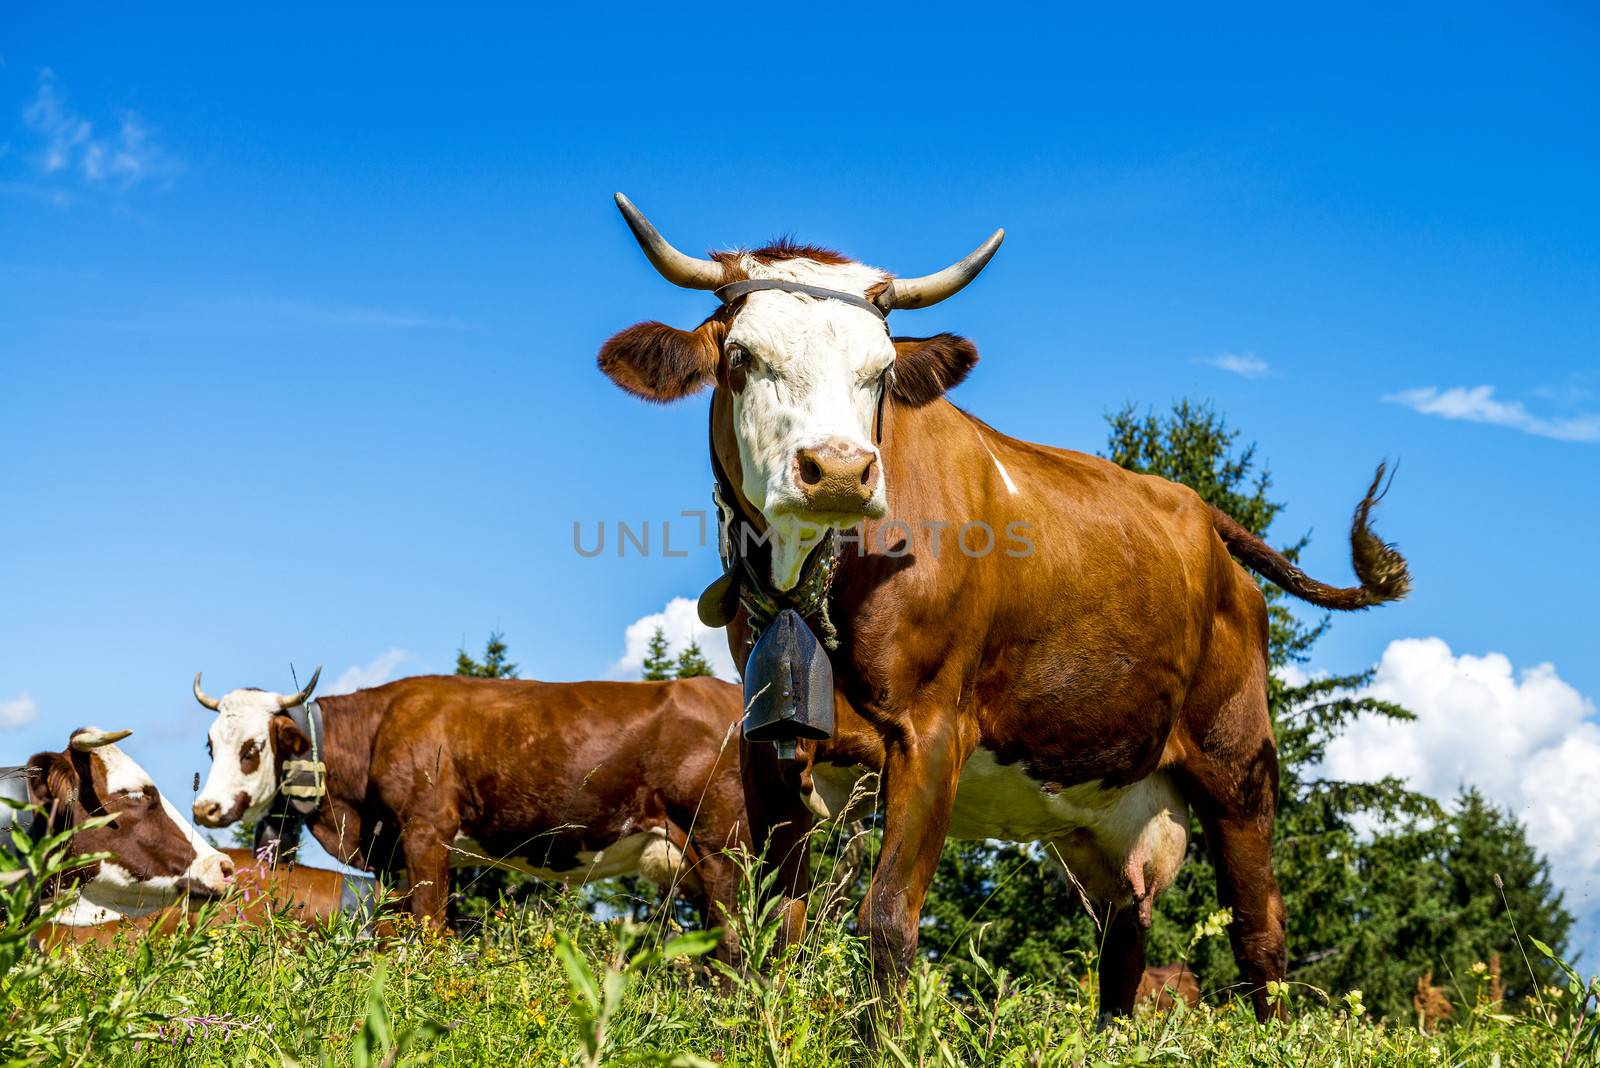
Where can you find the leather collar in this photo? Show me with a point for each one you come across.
(304, 783)
(734, 290)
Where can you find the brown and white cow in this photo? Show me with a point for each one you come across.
(260, 889)
(1033, 644)
(156, 855)
(566, 781)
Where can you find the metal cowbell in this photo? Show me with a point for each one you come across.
(788, 686)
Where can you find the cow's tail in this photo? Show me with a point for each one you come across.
(1380, 567)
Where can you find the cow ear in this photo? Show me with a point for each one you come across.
(925, 367)
(662, 363)
(287, 738)
(51, 777)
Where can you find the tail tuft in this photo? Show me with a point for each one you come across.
(1383, 572)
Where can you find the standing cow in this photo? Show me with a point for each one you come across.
(566, 781)
(1032, 644)
(156, 857)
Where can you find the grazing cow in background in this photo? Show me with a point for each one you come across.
(309, 895)
(156, 856)
(1033, 644)
(565, 781)
(1162, 986)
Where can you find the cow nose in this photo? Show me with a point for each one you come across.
(207, 812)
(226, 868)
(836, 476)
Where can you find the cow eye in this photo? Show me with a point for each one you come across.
(738, 356)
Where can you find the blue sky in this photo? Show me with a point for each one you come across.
(298, 317)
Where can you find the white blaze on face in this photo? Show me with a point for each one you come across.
(115, 891)
(242, 729)
(813, 378)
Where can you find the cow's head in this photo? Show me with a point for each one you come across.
(807, 376)
(156, 855)
(249, 740)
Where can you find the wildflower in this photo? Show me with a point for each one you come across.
(1353, 999)
(1479, 968)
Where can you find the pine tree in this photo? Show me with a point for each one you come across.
(692, 663)
(494, 664)
(658, 664)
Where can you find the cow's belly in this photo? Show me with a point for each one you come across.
(649, 853)
(1119, 844)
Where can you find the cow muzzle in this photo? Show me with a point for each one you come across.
(211, 875)
(211, 813)
(838, 477)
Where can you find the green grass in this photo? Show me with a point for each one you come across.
(551, 986)
(547, 984)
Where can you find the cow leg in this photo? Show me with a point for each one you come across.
(718, 900)
(1232, 784)
(779, 825)
(1121, 961)
(918, 792)
(1241, 849)
(427, 854)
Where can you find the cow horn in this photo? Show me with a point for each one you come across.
(204, 698)
(89, 738)
(930, 289)
(675, 267)
(286, 703)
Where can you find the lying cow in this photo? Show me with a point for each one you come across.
(260, 889)
(565, 781)
(156, 856)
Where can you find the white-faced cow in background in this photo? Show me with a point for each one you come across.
(156, 855)
(566, 781)
(1085, 685)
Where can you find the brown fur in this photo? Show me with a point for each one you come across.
(1383, 572)
(1163, 985)
(926, 367)
(142, 838)
(661, 363)
(532, 770)
(310, 895)
(1129, 641)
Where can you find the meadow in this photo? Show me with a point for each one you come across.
(547, 983)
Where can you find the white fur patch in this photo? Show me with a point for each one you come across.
(1120, 844)
(1005, 476)
(244, 716)
(814, 378)
(648, 853)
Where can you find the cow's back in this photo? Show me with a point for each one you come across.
(550, 771)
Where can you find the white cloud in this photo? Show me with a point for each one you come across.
(375, 672)
(124, 158)
(1245, 364)
(20, 711)
(1479, 405)
(680, 622)
(1528, 740)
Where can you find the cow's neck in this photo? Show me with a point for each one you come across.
(349, 729)
(942, 472)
